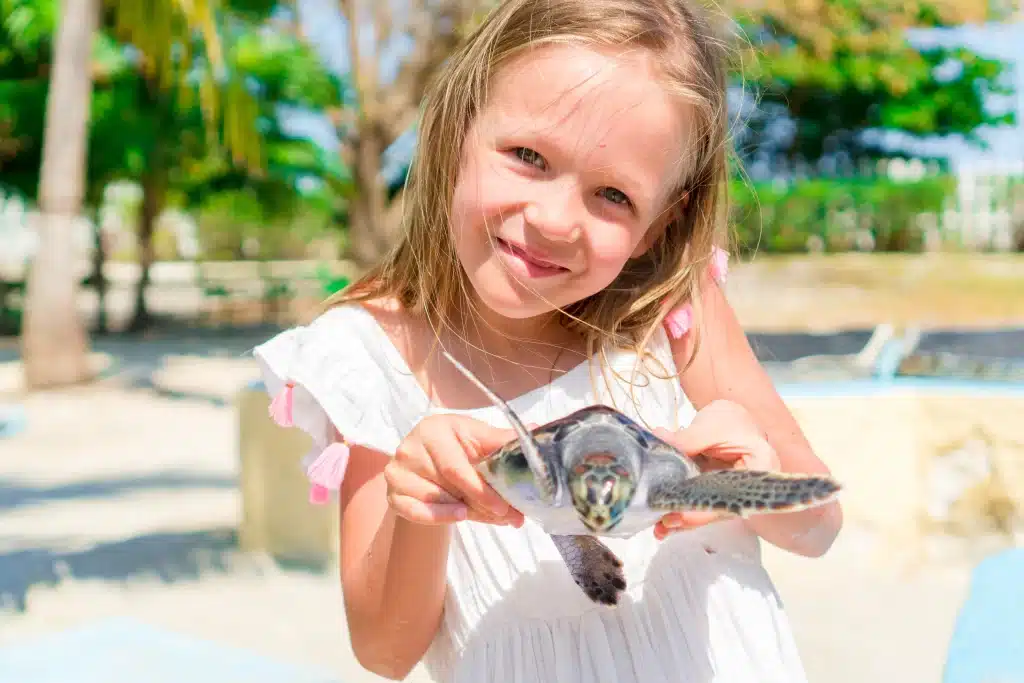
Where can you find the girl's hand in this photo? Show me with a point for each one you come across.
(723, 435)
(431, 479)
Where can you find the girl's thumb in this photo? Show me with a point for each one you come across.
(487, 438)
(702, 439)
(692, 440)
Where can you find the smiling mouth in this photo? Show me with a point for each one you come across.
(533, 266)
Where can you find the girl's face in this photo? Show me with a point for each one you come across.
(565, 175)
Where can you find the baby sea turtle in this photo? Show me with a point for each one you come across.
(596, 473)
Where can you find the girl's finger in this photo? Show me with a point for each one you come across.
(435, 514)
(702, 438)
(404, 482)
(689, 520)
(678, 521)
(460, 478)
(710, 463)
(451, 452)
(514, 518)
(419, 512)
(480, 440)
(412, 455)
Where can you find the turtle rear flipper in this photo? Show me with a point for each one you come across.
(593, 567)
(743, 492)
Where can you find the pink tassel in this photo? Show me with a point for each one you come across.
(327, 472)
(679, 321)
(719, 267)
(281, 406)
(319, 495)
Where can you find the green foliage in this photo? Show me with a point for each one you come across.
(836, 214)
(25, 31)
(838, 67)
(22, 107)
(330, 283)
(138, 127)
(948, 107)
(288, 71)
(27, 27)
(300, 178)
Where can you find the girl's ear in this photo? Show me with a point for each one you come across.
(660, 224)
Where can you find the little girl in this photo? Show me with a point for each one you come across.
(559, 240)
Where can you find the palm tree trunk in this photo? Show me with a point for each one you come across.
(54, 345)
(153, 199)
(98, 279)
(368, 232)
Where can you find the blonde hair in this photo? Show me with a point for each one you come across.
(423, 273)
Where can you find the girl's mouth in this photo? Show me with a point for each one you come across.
(525, 262)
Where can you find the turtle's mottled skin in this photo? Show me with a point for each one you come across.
(596, 472)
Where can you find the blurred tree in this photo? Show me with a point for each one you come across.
(383, 110)
(162, 141)
(160, 137)
(835, 68)
(54, 345)
(166, 35)
(181, 62)
(26, 44)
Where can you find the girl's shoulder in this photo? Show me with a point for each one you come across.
(343, 373)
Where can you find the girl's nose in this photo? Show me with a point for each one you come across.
(556, 215)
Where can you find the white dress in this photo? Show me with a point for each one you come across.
(699, 606)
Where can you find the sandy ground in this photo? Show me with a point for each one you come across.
(118, 501)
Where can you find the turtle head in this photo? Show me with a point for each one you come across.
(602, 487)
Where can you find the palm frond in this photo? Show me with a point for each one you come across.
(180, 44)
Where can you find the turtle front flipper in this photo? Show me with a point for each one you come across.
(542, 474)
(742, 492)
(593, 567)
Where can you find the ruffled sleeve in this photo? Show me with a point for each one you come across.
(338, 376)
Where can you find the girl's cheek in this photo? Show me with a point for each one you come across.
(608, 250)
(494, 188)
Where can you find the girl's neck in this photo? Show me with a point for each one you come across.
(538, 342)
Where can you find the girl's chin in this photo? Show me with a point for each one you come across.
(508, 305)
(517, 298)
(510, 299)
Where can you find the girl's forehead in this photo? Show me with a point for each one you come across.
(554, 81)
(592, 98)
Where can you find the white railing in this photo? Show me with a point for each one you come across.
(987, 211)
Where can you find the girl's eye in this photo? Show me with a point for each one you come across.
(615, 196)
(531, 157)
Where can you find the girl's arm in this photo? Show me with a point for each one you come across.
(396, 516)
(726, 368)
(392, 572)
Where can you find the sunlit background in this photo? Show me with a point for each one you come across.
(181, 179)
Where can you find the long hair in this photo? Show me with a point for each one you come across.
(422, 271)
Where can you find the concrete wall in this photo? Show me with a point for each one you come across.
(277, 517)
(917, 464)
